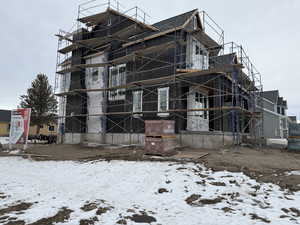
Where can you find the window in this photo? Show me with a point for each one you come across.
(163, 101)
(109, 22)
(278, 110)
(41, 126)
(117, 77)
(95, 74)
(51, 128)
(198, 50)
(137, 102)
(283, 112)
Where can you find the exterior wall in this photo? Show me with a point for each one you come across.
(271, 125)
(269, 105)
(44, 130)
(64, 86)
(4, 129)
(96, 103)
(275, 125)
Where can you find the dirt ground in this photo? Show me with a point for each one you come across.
(264, 165)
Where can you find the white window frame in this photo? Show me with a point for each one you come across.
(136, 108)
(118, 80)
(161, 112)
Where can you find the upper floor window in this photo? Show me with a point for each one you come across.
(117, 77)
(278, 110)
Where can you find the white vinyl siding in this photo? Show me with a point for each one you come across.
(163, 101)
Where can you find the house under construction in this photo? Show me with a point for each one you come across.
(117, 70)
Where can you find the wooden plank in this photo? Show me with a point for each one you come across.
(67, 49)
(152, 36)
(68, 70)
(97, 18)
(218, 71)
(224, 108)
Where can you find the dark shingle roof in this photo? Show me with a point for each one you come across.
(5, 115)
(173, 22)
(271, 95)
(167, 24)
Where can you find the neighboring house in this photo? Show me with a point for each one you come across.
(119, 71)
(275, 117)
(4, 122)
(5, 117)
(293, 119)
(46, 129)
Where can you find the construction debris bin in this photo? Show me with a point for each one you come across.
(160, 137)
(294, 137)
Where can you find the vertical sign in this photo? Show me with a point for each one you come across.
(19, 127)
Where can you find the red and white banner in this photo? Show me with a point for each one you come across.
(19, 126)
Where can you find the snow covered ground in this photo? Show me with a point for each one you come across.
(120, 192)
(4, 140)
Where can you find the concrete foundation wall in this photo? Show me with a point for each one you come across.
(205, 140)
(72, 138)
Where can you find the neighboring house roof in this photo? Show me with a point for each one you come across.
(5, 115)
(271, 95)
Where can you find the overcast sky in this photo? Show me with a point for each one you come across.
(268, 30)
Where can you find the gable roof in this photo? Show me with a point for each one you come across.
(5, 115)
(175, 21)
(165, 26)
(271, 95)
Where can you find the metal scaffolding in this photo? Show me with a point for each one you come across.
(235, 81)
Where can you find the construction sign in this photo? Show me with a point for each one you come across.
(19, 126)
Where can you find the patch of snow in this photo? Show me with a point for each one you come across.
(134, 185)
(4, 140)
(297, 173)
(13, 152)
